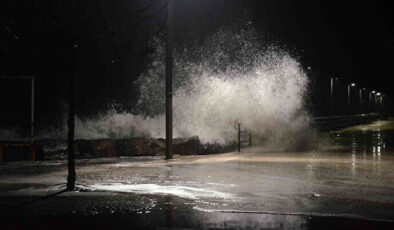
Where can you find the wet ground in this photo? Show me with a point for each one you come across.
(348, 183)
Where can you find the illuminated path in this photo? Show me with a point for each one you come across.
(352, 178)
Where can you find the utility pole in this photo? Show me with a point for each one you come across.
(71, 178)
(332, 97)
(169, 71)
(32, 111)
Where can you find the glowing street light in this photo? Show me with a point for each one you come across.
(349, 95)
(370, 100)
(332, 91)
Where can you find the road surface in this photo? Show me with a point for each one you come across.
(346, 183)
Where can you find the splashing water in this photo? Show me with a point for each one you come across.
(230, 78)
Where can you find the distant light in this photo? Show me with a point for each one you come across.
(378, 94)
(309, 68)
(373, 91)
(353, 84)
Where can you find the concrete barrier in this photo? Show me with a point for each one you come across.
(98, 148)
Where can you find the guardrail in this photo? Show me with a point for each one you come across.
(338, 122)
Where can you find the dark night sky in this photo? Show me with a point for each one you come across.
(346, 39)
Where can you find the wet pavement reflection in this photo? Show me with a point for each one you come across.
(376, 138)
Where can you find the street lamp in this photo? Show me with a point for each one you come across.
(349, 88)
(375, 101)
(332, 96)
(169, 70)
(361, 90)
(370, 100)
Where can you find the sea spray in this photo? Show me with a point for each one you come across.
(230, 78)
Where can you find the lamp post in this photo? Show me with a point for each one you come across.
(381, 100)
(349, 92)
(71, 178)
(377, 101)
(169, 65)
(374, 101)
(332, 96)
(361, 90)
(371, 107)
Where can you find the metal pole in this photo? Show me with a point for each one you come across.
(239, 137)
(32, 148)
(376, 103)
(361, 100)
(71, 178)
(169, 64)
(381, 101)
(332, 97)
(348, 98)
(32, 111)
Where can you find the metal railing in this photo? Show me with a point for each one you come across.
(322, 123)
(244, 137)
(338, 122)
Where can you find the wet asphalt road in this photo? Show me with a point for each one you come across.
(348, 182)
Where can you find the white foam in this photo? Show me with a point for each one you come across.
(180, 191)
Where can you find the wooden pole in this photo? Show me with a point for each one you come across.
(169, 72)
